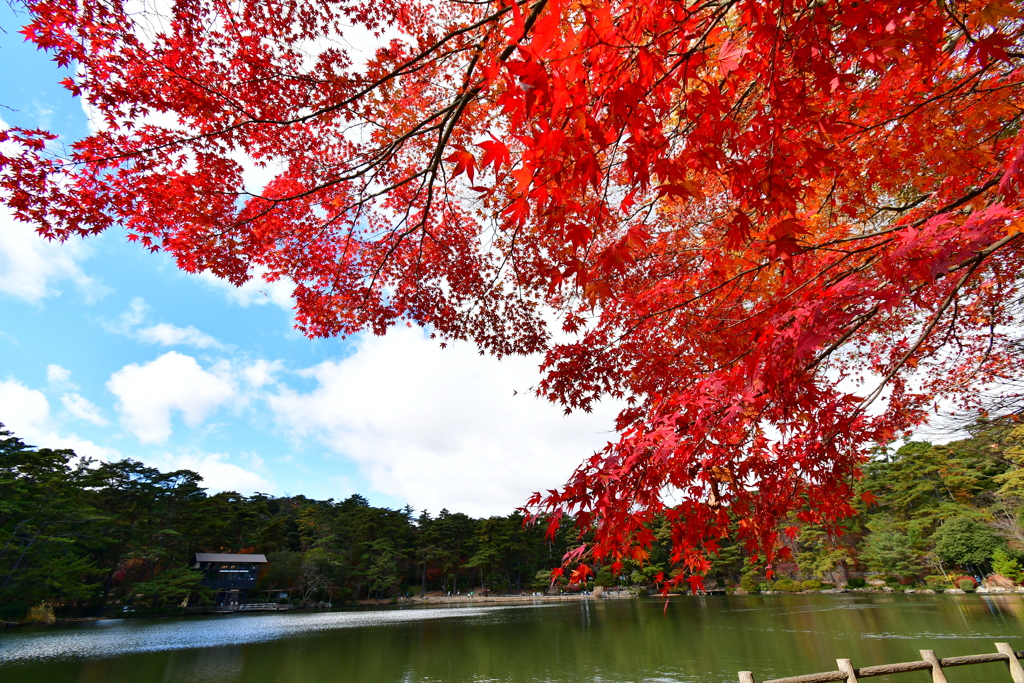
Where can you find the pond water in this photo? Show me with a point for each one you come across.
(698, 640)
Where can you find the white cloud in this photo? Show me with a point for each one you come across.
(166, 334)
(23, 410)
(256, 175)
(219, 474)
(131, 318)
(32, 268)
(26, 412)
(256, 292)
(441, 428)
(83, 409)
(261, 372)
(173, 382)
(58, 376)
(80, 407)
(43, 114)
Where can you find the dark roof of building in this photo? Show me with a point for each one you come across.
(223, 557)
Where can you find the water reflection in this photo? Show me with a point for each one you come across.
(214, 665)
(695, 641)
(113, 637)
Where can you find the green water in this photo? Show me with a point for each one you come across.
(695, 639)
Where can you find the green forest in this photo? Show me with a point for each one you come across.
(89, 538)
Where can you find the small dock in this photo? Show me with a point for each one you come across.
(250, 607)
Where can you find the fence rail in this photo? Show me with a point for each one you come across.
(928, 662)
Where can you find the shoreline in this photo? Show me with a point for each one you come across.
(437, 600)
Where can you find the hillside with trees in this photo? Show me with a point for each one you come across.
(93, 537)
(89, 537)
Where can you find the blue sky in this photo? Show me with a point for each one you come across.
(112, 351)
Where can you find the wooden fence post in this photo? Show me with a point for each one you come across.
(937, 675)
(1016, 671)
(930, 662)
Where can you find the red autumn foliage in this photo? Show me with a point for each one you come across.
(759, 221)
(580, 574)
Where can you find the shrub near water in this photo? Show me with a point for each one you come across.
(40, 614)
(1004, 565)
(856, 582)
(604, 577)
(748, 582)
(966, 584)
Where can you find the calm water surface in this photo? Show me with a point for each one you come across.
(699, 640)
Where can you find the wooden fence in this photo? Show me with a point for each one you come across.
(928, 662)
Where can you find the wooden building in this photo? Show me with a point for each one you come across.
(231, 576)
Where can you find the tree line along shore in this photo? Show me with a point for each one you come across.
(81, 538)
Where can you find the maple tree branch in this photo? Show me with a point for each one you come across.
(992, 182)
(955, 204)
(451, 117)
(921, 338)
(972, 266)
(975, 76)
(402, 69)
